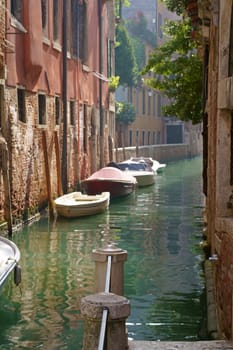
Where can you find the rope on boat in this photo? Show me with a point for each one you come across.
(105, 309)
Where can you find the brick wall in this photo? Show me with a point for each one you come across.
(25, 139)
(27, 160)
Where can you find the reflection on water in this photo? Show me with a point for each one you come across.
(159, 226)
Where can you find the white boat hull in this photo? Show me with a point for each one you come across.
(141, 171)
(155, 164)
(77, 204)
(9, 258)
(143, 178)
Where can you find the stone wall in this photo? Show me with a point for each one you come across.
(223, 271)
(219, 202)
(162, 153)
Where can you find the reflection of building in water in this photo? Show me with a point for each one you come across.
(57, 271)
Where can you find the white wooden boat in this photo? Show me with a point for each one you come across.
(77, 204)
(9, 258)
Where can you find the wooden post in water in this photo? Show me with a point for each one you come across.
(47, 172)
(58, 164)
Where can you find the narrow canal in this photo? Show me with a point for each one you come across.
(160, 227)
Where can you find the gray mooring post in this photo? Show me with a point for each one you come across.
(100, 256)
(92, 308)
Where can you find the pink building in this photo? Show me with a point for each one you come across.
(58, 122)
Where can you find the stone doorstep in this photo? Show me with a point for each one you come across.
(198, 345)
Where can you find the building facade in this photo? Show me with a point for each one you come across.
(216, 18)
(57, 115)
(150, 126)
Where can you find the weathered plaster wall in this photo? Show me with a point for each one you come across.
(35, 65)
(219, 213)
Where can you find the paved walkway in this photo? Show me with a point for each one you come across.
(199, 345)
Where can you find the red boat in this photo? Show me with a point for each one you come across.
(109, 179)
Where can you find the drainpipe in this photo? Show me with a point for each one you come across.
(101, 111)
(64, 96)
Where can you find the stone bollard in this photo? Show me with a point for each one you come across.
(92, 308)
(100, 256)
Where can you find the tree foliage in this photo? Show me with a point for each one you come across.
(138, 27)
(125, 113)
(177, 72)
(139, 50)
(177, 6)
(118, 6)
(125, 61)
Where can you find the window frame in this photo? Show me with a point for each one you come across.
(42, 120)
(21, 104)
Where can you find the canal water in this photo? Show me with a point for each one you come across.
(159, 226)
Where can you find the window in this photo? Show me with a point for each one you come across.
(17, 9)
(42, 108)
(154, 104)
(137, 138)
(148, 138)
(72, 112)
(159, 106)
(21, 105)
(159, 138)
(154, 137)
(85, 140)
(110, 54)
(137, 100)
(82, 32)
(143, 138)
(44, 16)
(57, 110)
(131, 138)
(74, 27)
(149, 101)
(56, 20)
(143, 101)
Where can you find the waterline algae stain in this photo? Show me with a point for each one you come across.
(160, 227)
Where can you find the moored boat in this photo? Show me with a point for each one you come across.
(155, 164)
(109, 179)
(9, 258)
(76, 204)
(142, 171)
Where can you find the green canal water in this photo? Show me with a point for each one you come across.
(159, 226)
